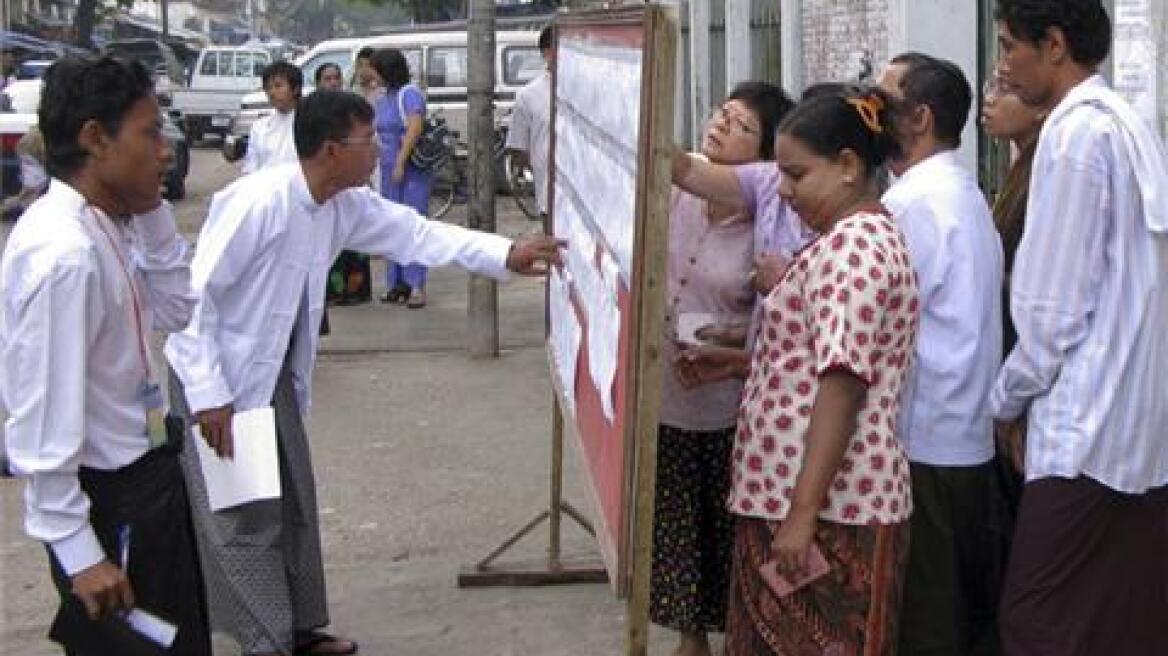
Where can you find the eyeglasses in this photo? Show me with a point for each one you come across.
(372, 140)
(735, 121)
(995, 87)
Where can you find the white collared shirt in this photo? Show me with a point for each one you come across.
(265, 242)
(530, 130)
(70, 348)
(270, 142)
(1089, 296)
(957, 255)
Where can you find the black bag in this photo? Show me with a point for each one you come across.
(432, 149)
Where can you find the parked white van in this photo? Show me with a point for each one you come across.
(438, 63)
(222, 77)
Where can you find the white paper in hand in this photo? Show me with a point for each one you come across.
(254, 471)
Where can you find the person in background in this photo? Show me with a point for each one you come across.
(34, 179)
(259, 275)
(270, 140)
(364, 80)
(329, 77)
(1087, 573)
(819, 479)
(1005, 116)
(400, 111)
(711, 252)
(91, 269)
(529, 135)
(950, 596)
(349, 281)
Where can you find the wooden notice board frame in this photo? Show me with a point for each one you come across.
(619, 455)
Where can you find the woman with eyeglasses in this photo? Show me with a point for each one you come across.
(820, 483)
(709, 293)
(1005, 116)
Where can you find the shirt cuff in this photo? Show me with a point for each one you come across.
(498, 250)
(1005, 408)
(156, 229)
(79, 551)
(212, 394)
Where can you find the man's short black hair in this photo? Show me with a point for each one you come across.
(770, 104)
(282, 69)
(1084, 22)
(366, 52)
(392, 66)
(327, 116)
(77, 90)
(547, 37)
(941, 85)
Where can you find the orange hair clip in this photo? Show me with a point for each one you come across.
(869, 108)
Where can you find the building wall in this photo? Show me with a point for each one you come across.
(843, 39)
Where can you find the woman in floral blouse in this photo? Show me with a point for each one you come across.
(816, 465)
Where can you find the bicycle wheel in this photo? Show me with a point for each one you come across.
(521, 186)
(443, 189)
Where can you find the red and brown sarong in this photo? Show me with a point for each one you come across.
(850, 612)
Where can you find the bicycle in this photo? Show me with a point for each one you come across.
(451, 180)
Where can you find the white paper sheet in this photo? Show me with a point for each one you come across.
(565, 336)
(689, 323)
(253, 473)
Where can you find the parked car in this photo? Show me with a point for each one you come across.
(158, 58)
(222, 76)
(18, 107)
(438, 62)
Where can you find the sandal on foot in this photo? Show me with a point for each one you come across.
(318, 643)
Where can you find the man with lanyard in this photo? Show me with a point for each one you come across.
(259, 272)
(1087, 573)
(529, 135)
(90, 270)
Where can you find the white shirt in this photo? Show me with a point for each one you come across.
(270, 142)
(957, 255)
(266, 246)
(531, 129)
(72, 367)
(1089, 296)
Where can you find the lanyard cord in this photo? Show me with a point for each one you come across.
(133, 292)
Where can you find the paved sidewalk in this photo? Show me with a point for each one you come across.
(425, 461)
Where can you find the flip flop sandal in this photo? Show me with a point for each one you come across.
(313, 641)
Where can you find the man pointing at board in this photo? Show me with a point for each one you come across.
(259, 275)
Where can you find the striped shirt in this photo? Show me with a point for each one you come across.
(1090, 299)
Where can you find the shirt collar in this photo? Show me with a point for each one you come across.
(300, 192)
(928, 167)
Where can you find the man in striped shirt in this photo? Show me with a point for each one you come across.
(1088, 573)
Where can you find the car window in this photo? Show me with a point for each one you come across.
(521, 64)
(210, 65)
(446, 67)
(414, 61)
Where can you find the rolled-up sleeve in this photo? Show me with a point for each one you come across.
(1056, 279)
(45, 377)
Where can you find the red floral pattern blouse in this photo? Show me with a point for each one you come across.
(848, 300)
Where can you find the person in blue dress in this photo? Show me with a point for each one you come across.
(399, 113)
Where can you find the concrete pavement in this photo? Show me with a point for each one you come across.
(425, 461)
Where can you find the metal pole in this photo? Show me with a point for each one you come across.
(699, 68)
(483, 305)
(164, 18)
(738, 43)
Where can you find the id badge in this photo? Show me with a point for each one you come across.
(150, 394)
